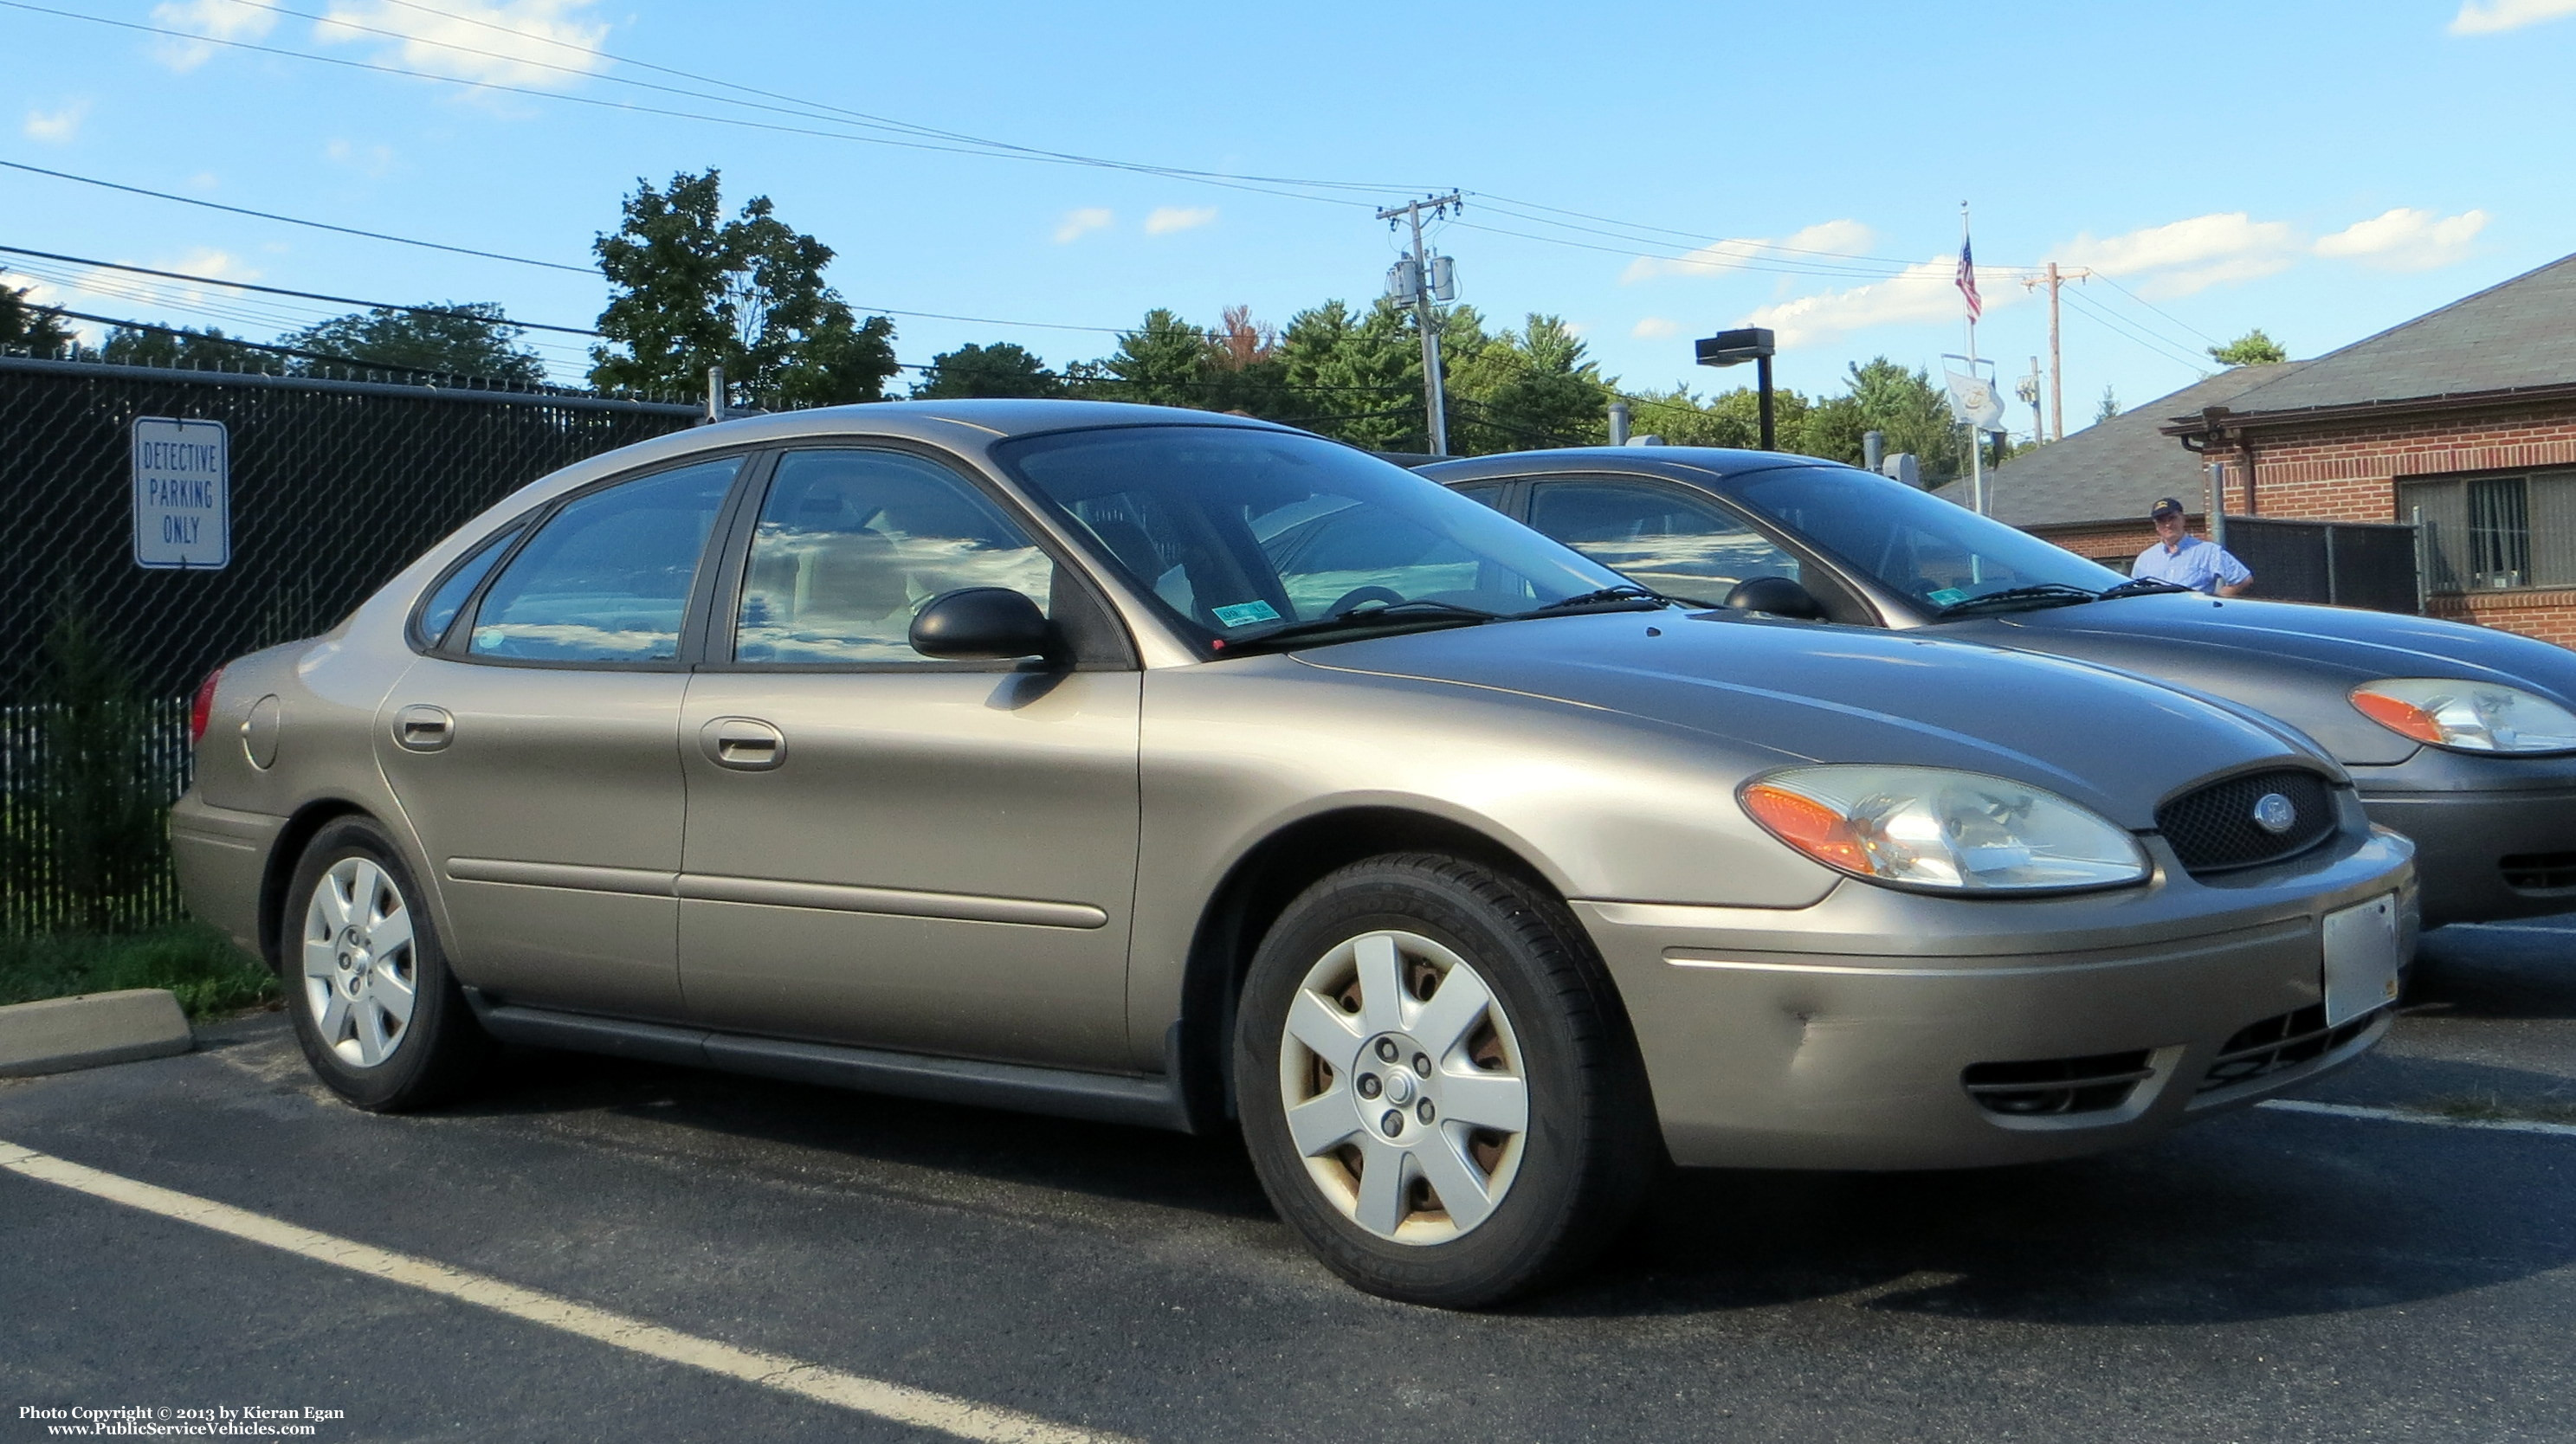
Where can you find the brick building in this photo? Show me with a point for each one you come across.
(2465, 417)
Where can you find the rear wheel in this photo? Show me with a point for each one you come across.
(375, 1009)
(1437, 1084)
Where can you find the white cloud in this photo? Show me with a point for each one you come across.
(2181, 257)
(502, 42)
(371, 160)
(1079, 223)
(2491, 16)
(2406, 239)
(1655, 328)
(1838, 238)
(127, 287)
(218, 19)
(1167, 219)
(56, 127)
(1921, 293)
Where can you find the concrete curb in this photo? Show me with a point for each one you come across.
(57, 1035)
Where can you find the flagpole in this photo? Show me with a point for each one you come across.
(1976, 441)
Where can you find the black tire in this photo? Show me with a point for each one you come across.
(1590, 1145)
(438, 1048)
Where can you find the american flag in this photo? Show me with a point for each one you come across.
(1968, 282)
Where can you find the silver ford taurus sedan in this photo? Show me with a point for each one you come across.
(2461, 737)
(1172, 769)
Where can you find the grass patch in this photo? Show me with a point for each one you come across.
(2490, 1108)
(201, 965)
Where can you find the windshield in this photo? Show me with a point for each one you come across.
(1934, 552)
(1238, 532)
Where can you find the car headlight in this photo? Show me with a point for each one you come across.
(1929, 827)
(2470, 716)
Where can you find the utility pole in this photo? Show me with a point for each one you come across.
(2056, 378)
(1421, 280)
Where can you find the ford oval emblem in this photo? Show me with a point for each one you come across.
(2274, 813)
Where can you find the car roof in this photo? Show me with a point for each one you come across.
(1703, 464)
(995, 416)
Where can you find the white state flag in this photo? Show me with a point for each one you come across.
(1973, 400)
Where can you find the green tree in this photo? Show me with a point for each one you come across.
(1730, 418)
(694, 290)
(2251, 349)
(472, 338)
(1163, 362)
(1001, 369)
(1355, 378)
(209, 349)
(2109, 408)
(1528, 388)
(24, 323)
(1902, 405)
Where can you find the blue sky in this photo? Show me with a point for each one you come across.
(2320, 170)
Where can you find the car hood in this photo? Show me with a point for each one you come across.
(2297, 663)
(1786, 692)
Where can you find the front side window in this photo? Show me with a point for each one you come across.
(607, 578)
(1919, 546)
(1676, 544)
(851, 543)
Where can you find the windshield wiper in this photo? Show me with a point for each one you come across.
(2142, 587)
(1626, 598)
(2016, 599)
(1360, 618)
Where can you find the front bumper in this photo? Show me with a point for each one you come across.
(2495, 837)
(1841, 1035)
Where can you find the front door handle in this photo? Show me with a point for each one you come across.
(745, 744)
(423, 728)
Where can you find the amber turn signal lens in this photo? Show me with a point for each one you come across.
(1807, 825)
(2398, 716)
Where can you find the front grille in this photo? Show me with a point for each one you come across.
(2048, 1086)
(2213, 829)
(2540, 871)
(2261, 1049)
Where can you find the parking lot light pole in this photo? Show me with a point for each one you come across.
(1734, 348)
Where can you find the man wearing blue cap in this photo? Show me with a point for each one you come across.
(2178, 556)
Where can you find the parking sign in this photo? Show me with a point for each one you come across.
(182, 494)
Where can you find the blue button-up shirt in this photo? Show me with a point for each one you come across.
(2198, 563)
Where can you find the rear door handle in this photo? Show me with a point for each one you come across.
(745, 744)
(423, 728)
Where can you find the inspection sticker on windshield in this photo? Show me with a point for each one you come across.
(1947, 595)
(1244, 614)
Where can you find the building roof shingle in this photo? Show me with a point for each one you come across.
(2517, 334)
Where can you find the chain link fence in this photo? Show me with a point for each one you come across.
(334, 487)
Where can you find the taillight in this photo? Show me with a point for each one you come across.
(202, 710)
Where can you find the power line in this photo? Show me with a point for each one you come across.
(2146, 339)
(297, 220)
(2159, 310)
(300, 295)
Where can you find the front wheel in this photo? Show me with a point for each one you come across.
(1437, 1083)
(378, 1016)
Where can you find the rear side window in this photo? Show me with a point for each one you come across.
(443, 605)
(1671, 542)
(607, 578)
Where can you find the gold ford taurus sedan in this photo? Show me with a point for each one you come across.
(1179, 770)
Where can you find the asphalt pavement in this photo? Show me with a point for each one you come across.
(2272, 1275)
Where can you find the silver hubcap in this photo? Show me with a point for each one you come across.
(1403, 1086)
(360, 975)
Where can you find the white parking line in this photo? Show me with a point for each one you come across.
(2400, 1115)
(920, 1408)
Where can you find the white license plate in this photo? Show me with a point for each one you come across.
(2361, 959)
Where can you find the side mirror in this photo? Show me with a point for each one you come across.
(982, 624)
(1778, 596)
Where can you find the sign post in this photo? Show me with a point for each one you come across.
(182, 494)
